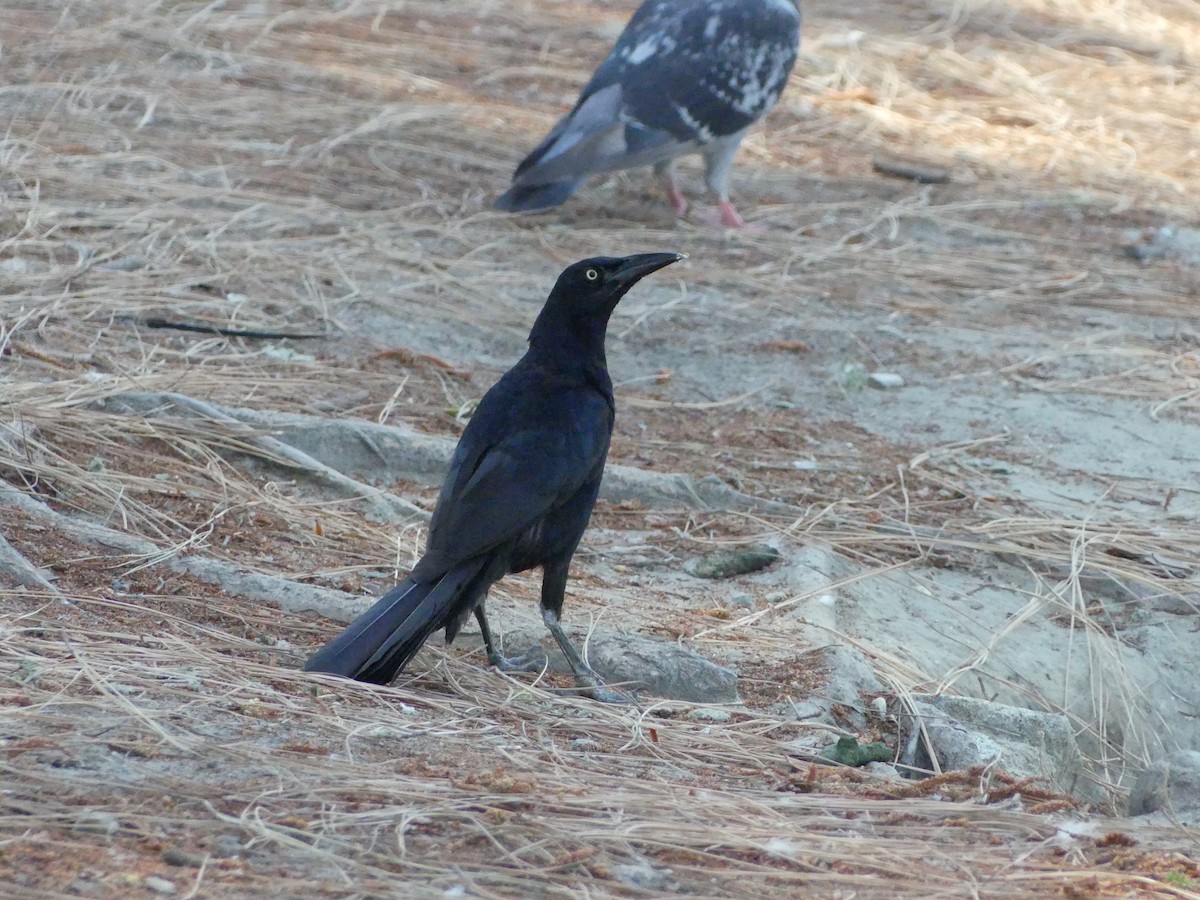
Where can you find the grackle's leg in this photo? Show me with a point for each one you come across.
(533, 661)
(554, 587)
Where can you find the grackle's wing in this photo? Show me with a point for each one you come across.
(512, 468)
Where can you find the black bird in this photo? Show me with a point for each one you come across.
(686, 76)
(520, 490)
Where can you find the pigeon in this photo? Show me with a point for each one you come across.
(685, 76)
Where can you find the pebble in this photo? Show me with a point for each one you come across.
(173, 856)
(228, 846)
(124, 264)
(740, 600)
(885, 380)
(706, 714)
(160, 885)
(641, 875)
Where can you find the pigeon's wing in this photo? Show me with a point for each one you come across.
(499, 487)
(682, 74)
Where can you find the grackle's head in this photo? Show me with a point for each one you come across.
(595, 286)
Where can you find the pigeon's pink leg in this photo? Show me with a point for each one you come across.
(730, 217)
(666, 174)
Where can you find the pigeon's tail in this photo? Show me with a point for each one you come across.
(532, 197)
(377, 645)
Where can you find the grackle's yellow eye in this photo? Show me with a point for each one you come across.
(591, 274)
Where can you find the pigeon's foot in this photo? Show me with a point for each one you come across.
(730, 217)
(727, 217)
(678, 201)
(666, 177)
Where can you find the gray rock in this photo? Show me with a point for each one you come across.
(229, 846)
(739, 600)
(657, 666)
(1170, 787)
(883, 771)
(962, 732)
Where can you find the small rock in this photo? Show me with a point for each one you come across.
(286, 354)
(706, 714)
(777, 596)
(740, 600)
(228, 846)
(641, 875)
(804, 710)
(1170, 785)
(883, 771)
(124, 264)
(173, 856)
(727, 563)
(160, 885)
(885, 380)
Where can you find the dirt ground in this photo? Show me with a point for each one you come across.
(325, 168)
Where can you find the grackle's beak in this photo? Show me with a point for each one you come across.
(634, 268)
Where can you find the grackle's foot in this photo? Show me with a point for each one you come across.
(532, 661)
(589, 684)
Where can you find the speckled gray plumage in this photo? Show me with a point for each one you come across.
(685, 76)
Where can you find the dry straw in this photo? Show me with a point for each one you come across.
(291, 167)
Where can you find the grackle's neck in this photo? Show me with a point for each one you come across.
(577, 341)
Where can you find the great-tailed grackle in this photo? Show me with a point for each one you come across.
(520, 490)
(685, 76)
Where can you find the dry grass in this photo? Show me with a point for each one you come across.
(287, 166)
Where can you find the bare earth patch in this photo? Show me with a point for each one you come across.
(325, 169)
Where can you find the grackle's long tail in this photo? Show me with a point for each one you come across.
(377, 645)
